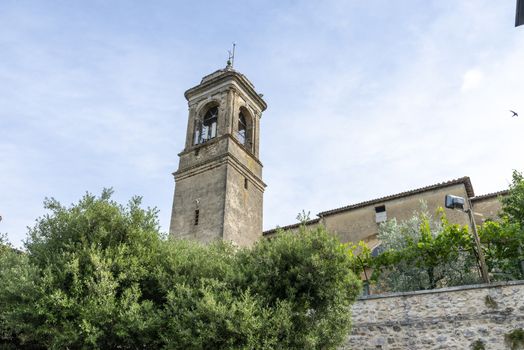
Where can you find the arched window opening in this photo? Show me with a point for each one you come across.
(242, 129)
(245, 129)
(207, 129)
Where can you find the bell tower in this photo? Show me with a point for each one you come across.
(218, 184)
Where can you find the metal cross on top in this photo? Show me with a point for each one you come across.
(231, 59)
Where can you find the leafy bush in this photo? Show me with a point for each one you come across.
(503, 240)
(503, 246)
(99, 275)
(422, 253)
(513, 203)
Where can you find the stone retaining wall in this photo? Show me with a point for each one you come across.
(448, 318)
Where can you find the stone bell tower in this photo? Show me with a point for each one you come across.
(218, 184)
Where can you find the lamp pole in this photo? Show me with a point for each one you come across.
(482, 261)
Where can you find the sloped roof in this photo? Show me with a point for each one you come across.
(462, 180)
(490, 195)
(289, 227)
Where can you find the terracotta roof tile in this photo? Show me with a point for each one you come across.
(490, 195)
(463, 180)
(289, 227)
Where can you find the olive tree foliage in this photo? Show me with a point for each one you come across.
(97, 274)
(423, 253)
(503, 247)
(513, 203)
(361, 256)
(503, 240)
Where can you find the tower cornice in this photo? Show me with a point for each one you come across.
(216, 140)
(224, 75)
(228, 158)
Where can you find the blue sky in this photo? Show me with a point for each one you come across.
(366, 98)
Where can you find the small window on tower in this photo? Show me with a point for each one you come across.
(246, 182)
(197, 214)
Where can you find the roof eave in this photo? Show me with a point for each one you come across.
(465, 180)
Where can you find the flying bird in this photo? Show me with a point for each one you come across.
(515, 114)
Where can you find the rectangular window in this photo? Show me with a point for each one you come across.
(197, 214)
(380, 214)
(380, 209)
(245, 183)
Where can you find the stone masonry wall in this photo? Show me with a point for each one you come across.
(448, 318)
(359, 224)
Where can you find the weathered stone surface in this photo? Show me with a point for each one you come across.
(221, 178)
(449, 318)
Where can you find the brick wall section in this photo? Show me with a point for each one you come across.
(449, 318)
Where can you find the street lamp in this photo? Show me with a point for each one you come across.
(456, 202)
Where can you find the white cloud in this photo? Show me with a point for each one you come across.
(364, 99)
(472, 79)
(417, 128)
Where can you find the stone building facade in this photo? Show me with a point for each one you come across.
(219, 188)
(360, 221)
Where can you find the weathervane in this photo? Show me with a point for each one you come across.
(231, 59)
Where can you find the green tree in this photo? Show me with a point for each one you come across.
(362, 260)
(84, 280)
(16, 290)
(503, 246)
(503, 240)
(308, 273)
(513, 203)
(422, 253)
(98, 274)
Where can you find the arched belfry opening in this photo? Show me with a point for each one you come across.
(219, 167)
(245, 129)
(206, 125)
